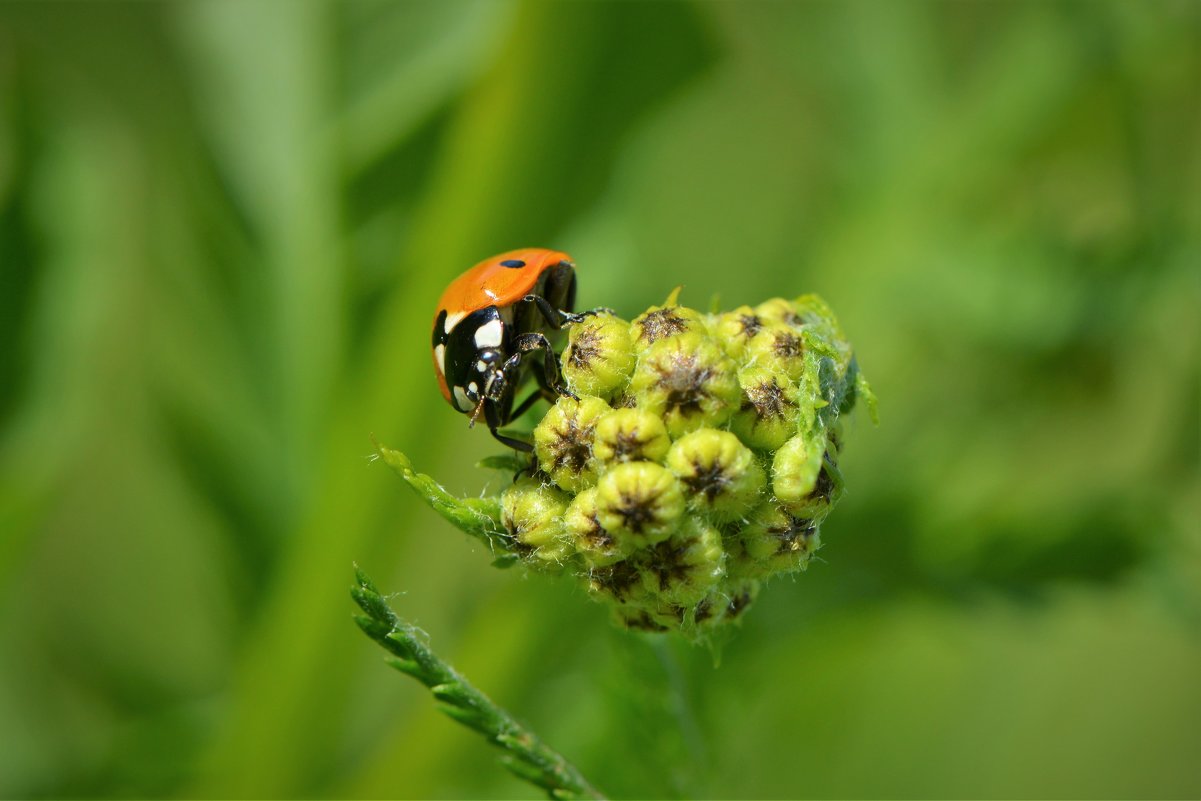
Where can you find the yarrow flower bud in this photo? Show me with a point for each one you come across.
(639, 502)
(563, 441)
(666, 321)
(699, 460)
(532, 514)
(599, 357)
(720, 473)
(630, 435)
(688, 381)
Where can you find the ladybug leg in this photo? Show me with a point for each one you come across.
(525, 405)
(515, 444)
(550, 360)
(492, 416)
(557, 318)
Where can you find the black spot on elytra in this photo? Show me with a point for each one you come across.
(513, 264)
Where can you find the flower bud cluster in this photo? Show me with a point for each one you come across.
(699, 458)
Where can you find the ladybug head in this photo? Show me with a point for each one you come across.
(473, 354)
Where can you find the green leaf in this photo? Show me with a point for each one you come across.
(478, 517)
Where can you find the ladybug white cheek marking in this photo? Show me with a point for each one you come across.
(452, 320)
(490, 334)
(461, 399)
(440, 357)
(481, 366)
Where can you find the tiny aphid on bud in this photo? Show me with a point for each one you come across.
(563, 441)
(630, 435)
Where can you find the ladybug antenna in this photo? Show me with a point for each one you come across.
(479, 407)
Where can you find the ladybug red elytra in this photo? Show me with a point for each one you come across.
(488, 319)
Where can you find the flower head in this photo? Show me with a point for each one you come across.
(699, 460)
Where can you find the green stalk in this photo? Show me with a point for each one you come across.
(526, 756)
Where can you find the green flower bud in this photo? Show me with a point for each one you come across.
(639, 502)
(735, 330)
(682, 569)
(776, 541)
(620, 583)
(718, 472)
(827, 490)
(563, 441)
(629, 435)
(666, 321)
(598, 547)
(688, 381)
(599, 357)
(723, 604)
(778, 347)
(768, 417)
(795, 468)
(532, 513)
(780, 312)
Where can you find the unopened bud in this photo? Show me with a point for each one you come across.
(682, 569)
(599, 357)
(719, 473)
(563, 441)
(795, 468)
(532, 514)
(598, 547)
(630, 435)
(688, 381)
(776, 541)
(666, 321)
(768, 416)
(639, 502)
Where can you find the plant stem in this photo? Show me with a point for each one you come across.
(527, 756)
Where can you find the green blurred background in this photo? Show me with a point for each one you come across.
(223, 228)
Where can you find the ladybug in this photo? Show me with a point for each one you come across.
(488, 319)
